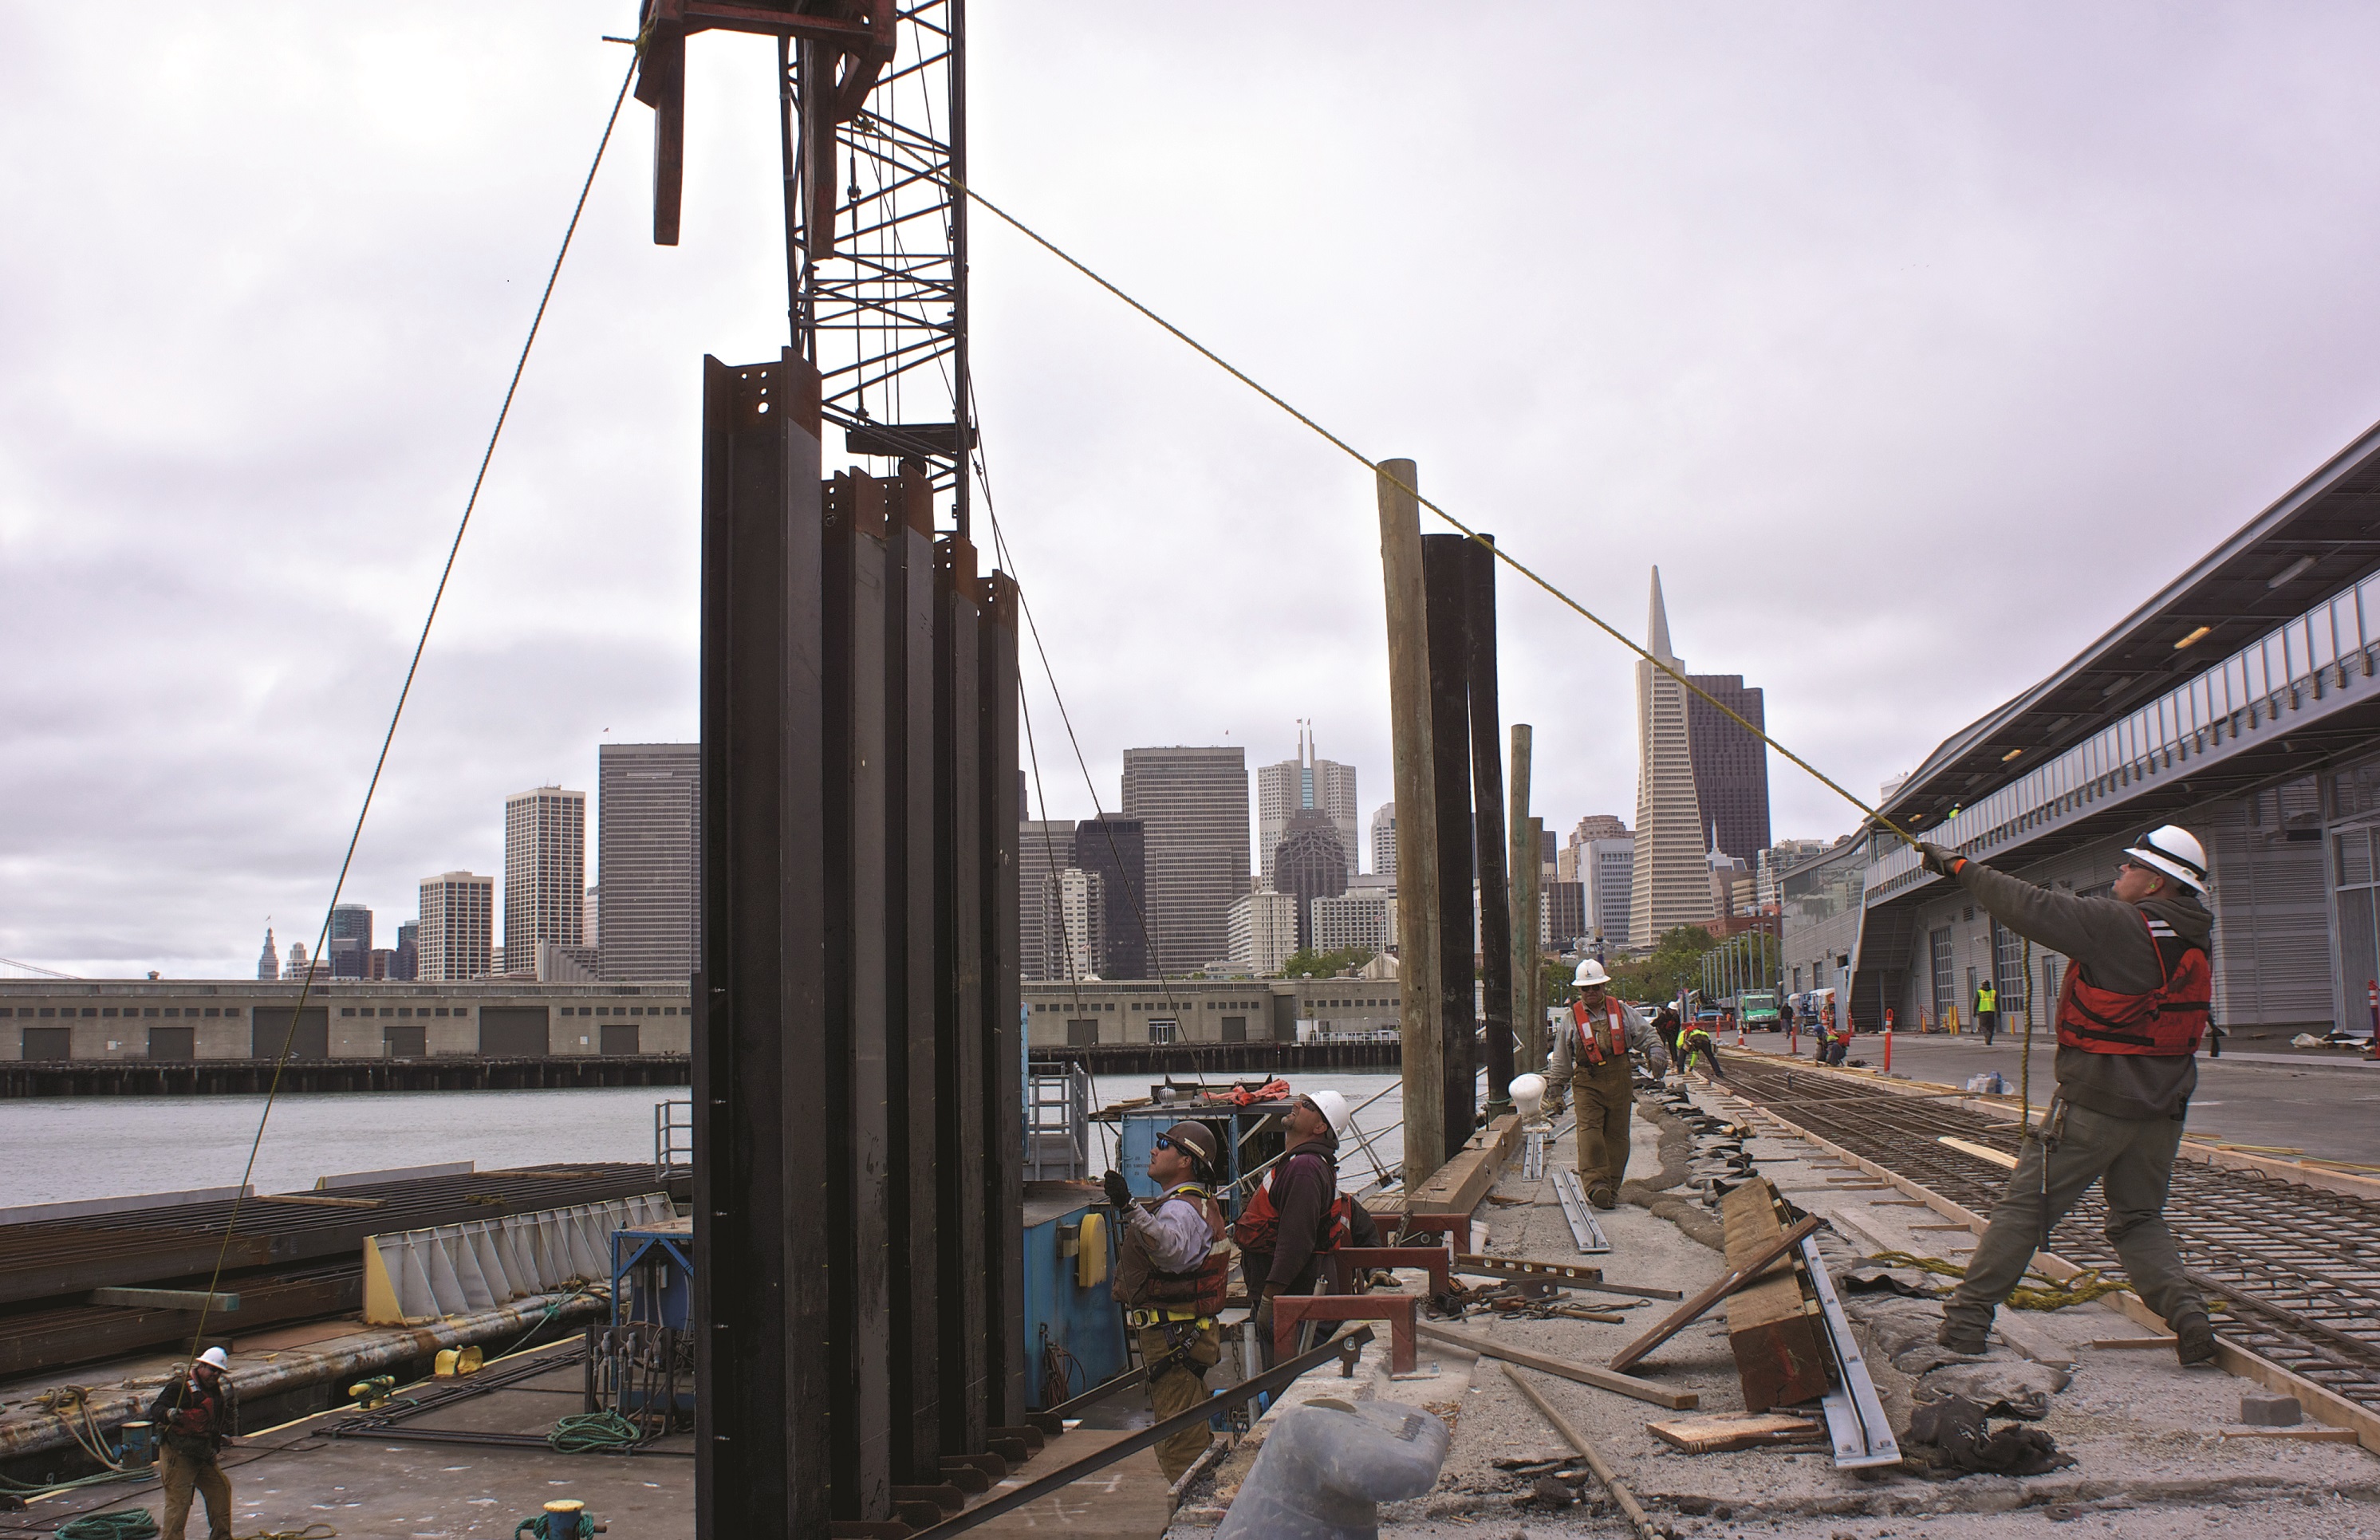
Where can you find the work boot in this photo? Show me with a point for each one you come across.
(1603, 1197)
(2193, 1341)
(1968, 1343)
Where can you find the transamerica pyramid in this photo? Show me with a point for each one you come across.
(1672, 883)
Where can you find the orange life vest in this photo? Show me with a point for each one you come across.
(1259, 1228)
(2168, 1021)
(1595, 1047)
(1138, 1280)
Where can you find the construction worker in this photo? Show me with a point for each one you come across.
(1297, 1211)
(1697, 1039)
(1987, 1010)
(1838, 1046)
(2139, 987)
(198, 1413)
(1593, 1057)
(1172, 1271)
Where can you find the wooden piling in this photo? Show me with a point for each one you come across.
(1528, 1022)
(1416, 799)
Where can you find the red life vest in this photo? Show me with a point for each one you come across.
(1258, 1229)
(2168, 1021)
(1595, 1047)
(1140, 1281)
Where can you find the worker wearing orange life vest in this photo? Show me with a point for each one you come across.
(1172, 1271)
(1591, 1054)
(2136, 1001)
(1296, 1212)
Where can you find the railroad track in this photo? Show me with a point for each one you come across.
(2296, 1269)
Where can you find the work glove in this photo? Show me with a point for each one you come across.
(1119, 1190)
(1938, 860)
(1263, 1313)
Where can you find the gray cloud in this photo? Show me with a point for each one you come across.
(1915, 346)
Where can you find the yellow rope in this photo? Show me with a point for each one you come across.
(1356, 455)
(2083, 1288)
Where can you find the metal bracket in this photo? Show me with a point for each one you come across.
(1855, 1419)
(1579, 1212)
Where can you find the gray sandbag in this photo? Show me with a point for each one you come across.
(1328, 1466)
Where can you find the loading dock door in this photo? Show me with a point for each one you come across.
(268, 1026)
(513, 1032)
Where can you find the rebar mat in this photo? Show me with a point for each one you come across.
(2296, 1269)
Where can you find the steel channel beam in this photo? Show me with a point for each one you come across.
(1445, 570)
(1487, 797)
(763, 1369)
(959, 1043)
(1003, 1028)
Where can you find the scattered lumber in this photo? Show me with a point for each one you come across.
(1694, 1308)
(1584, 1373)
(2004, 1160)
(1603, 1473)
(1781, 1356)
(1737, 1430)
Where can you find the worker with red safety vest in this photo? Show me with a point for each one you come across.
(1172, 1271)
(1296, 1212)
(2135, 1005)
(1591, 1055)
(197, 1413)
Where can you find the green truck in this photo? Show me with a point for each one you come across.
(1758, 1008)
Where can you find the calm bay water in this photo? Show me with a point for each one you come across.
(67, 1148)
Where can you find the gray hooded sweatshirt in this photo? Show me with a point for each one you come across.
(2109, 939)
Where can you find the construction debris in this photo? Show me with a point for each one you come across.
(1737, 1430)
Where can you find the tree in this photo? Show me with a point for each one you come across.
(1675, 962)
(1306, 963)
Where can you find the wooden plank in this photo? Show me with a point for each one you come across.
(1459, 1186)
(2303, 1434)
(1728, 1283)
(1584, 1373)
(1736, 1430)
(1781, 1357)
(2133, 1342)
(1982, 1152)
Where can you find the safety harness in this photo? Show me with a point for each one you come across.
(1598, 1047)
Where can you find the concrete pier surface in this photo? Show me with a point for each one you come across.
(2148, 1436)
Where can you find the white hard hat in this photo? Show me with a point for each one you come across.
(215, 1356)
(1333, 1106)
(2176, 852)
(1590, 973)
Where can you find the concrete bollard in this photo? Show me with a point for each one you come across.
(1324, 1471)
(2270, 1410)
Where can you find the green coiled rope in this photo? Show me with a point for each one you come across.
(131, 1523)
(605, 1432)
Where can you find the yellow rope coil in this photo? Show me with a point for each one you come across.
(2083, 1288)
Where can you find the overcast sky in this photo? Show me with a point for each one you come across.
(1915, 344)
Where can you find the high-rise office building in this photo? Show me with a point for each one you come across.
(297, 968)
(647, 829)
(1364, 917)
(1731, 764)
(268, 964)
(1076, 903)
(1569, 863)
(406, 963)
(1044, 848)
(1670, 885)
(1564, 924)
(1305, 783)
(1117, 850)
(1308, 864)
(1606, 871)
(546, 873)
(1193, 806)
(1384, 840)
(1260, 931)
(457, 935)
(351, 940)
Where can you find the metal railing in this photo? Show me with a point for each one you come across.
(2293, 664)
(672, 1137)
(1058, 1123)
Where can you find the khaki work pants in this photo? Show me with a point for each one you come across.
(1603, 1095)
(1179, 1387)
(2132, 1157)
(187, 1477)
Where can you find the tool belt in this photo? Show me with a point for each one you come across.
(1139, 1319)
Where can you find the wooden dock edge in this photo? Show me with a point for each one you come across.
(1463, 1183)
(2322, 1405)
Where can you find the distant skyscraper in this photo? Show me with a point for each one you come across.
(1731, 765)
(1384, 840)
(1260, 931)
(406, 964)
(1044, 848)
(1117, 851)
(1565, 919)
(1308, 864)
(648, 820)
(1194, 804)
(1363, 917)
(546, 873)
(1569, 863)
(456, 938)
(1671, 880)
(1606, 871)
(268, 965)
(297, 968)
(1078, 927)
(1323, 786)
(351, 940)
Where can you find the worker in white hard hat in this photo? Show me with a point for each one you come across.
(2135, 1005)
(1591, 1055)
(196, 1413)
(1296, 1212)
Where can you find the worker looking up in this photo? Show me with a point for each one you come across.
(1297, 1211)
(2135, 1004)
(1172, 1271)
(198, 1413)
(1593, 1056)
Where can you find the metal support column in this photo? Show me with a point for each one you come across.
(960, 1135)
(1446, 570)
(1003, 1201)
(1487, 797)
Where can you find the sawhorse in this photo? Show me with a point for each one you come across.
(1290, 1310)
